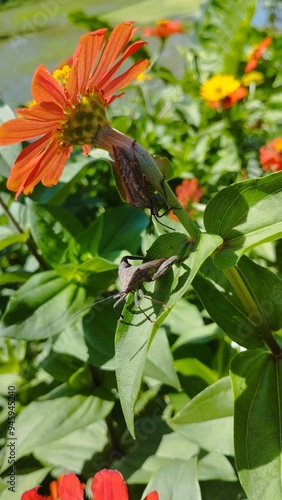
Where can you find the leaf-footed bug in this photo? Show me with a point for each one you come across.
(132, 184)
(132, 278)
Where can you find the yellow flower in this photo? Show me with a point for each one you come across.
(253, 76)
(143, 76)
(218, 87)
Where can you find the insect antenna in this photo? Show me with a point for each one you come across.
(114, 296)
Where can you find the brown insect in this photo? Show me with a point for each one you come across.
(132, 184)
(132, 278)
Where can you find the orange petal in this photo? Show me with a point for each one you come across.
(252, 64)
(84, 58)
(86, 148)
(131, 50)
(70, 488)
(45, 88)
(33, 495)
(26, 161)
(19, 129)
(126, 77)
(118, 39)
(55, 170)
(43, 111)
(152, 496)
(109, 485)
(32, 151)
(37, 167)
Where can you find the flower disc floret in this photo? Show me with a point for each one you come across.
(84, 121)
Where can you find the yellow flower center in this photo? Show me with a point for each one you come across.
(62, 75)
(162, 22)
(83, 122)
(218, 87)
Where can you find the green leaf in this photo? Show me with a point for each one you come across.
(98, 327)
(227, 313)
(223, 47)
(134, 333)
(172, 446)
(159, 364)
(216, 466)
(222, 490)
(75, 168)
(42, 307)
(194, 367)
(118, 229)
(266, 288)
(150, 432)
(96, 265)
(165, 166)
(54, 230)
(208, 416)
(257, 384)
(44, 422)
(15, 277)
(12, 239)
(177, 479)
(245, 214)
(86, 441)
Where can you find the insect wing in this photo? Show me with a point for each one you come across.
(130, 181)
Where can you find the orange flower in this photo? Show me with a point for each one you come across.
(256, 54)
(69, 106)
(106, 485)
(67, 486)
(230, 99)
(187, 193)
(164, 29)
(271, 155)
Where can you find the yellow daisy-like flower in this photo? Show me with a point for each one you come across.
(218, 87)
(254, 76)
(143, 77)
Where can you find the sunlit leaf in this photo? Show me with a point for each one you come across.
(245, 215)
(208, 416)
(257, 385)
(43, 422)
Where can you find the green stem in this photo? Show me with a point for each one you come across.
(252, 309)
(115, 445)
